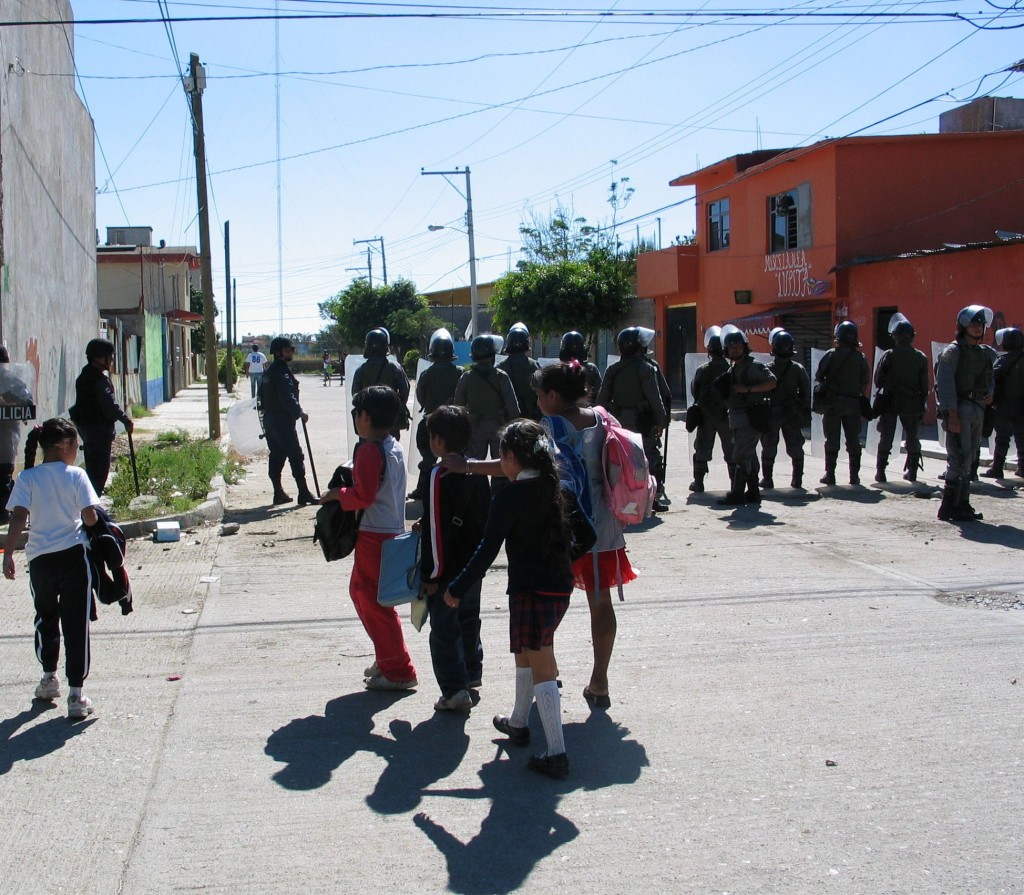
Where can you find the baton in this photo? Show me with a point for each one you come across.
(135, 468)
(309, 450)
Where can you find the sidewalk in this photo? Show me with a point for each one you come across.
(808, 697)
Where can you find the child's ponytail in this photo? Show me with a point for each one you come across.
(533, 449)
(51, 432)
(31, 445)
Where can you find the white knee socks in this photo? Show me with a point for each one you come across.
(520, 716)
(549, 707)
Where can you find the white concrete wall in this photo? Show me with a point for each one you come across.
(47, 204)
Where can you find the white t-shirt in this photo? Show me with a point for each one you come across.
(256, 360)
(55, 495)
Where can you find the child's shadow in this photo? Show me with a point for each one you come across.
(312, 748)
(523, 826)
(36, 741)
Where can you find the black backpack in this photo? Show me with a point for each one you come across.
(336, 529)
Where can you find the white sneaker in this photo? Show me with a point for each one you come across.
(48, 687)
(380, 682)
(457, 702)
(371, 670)
(79, 707)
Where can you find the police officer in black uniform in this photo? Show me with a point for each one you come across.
(747, 384)
(656, 458)
(844, 374)
(574, 347)
(96, 410)
(435, 387)
(279, 402)
(1008, 401)
(520, 367)
(630, 393)
(902, 377)
(487, 393)
(714, 412)
(380, 369)
(790, 410)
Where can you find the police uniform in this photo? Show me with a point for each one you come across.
(382, 370)
(903, 376)
(435, 387)
(520, 367)
(279, 398)
(745, 372)
(790, 412)
(844, 373)
(487, 393)
(630, 393)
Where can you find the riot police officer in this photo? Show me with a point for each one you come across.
(747, 384)
(630, 393)
(790, 409)
(380, 369)
(279, 403)
(902, 378)
(435, 387)
(574, 347)
(964, 386)
(487, 393)
(96, 410)
(520, 368)
(1008, 403)
(844, 374)
(657, 453)
(714, 412)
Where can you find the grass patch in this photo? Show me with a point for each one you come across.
(139, 411)
(176, 468)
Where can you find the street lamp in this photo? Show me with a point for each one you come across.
(469, 232)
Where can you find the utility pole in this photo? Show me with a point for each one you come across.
(195, 83)
(383, 258)
(469, 232)
(229, 371)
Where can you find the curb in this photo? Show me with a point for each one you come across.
(210, 510)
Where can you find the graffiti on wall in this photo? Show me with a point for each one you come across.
(792, 272)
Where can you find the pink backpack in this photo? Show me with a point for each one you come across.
(629, 487)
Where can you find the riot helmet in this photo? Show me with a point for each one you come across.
(974, 314)
(376, 343)
(1010, 339)
(572, 347)
(98, 348)
(628, 340)
(733, 335)
(646, 336)
(518, 339)
(279, 343)
(713, 340)
(901, 329)
(846, 334)
(442, 345)
(781, 342)
(482, 348)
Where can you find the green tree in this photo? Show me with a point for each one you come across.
(572, 277)
(354, 311)
(198, 336)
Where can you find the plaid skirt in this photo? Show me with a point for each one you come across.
(534, 618)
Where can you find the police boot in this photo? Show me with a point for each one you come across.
(661, 502)
(948, 509)
(854, 469)
(766, 475)
(305, 496)
(279, 496)
(700, 469)
(974, 469)
(798, 473)
(881, 462)
(829, 478)
(735, 497)
(967, 512)
(912, 466)
(753, 495)
(995, 471)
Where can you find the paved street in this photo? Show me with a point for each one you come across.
(809, 697)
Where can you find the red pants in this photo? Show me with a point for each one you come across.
(381, 622)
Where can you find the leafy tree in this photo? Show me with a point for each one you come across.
(573, 277)
(196, 305)
(354, 311)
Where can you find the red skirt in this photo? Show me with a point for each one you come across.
(613, 569)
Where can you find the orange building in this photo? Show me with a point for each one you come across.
(855, 228)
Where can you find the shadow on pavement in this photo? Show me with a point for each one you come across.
(851, 493)
(38, 740)
(983, 533)
(523, 825)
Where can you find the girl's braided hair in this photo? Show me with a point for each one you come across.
(51, 432)
(533, 448)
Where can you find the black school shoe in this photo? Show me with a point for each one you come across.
(556, 766)
(519, 736)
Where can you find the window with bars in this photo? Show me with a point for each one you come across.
(789, 219)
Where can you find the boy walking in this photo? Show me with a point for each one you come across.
(454, 514)
(379, 490)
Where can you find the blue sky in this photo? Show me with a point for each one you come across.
(538, 105)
